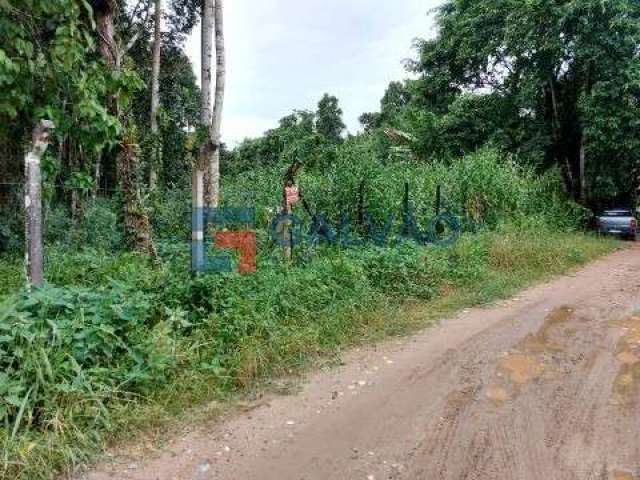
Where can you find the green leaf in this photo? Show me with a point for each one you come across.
(18, 420)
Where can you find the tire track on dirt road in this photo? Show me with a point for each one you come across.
(545, 386)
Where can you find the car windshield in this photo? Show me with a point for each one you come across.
(617, 213)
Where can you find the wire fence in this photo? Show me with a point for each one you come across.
(20, 186)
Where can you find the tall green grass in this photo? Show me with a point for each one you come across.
(484, 188)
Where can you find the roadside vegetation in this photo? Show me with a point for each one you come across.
(117, 343)
(509, 123)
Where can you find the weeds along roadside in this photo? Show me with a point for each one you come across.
(83, 365)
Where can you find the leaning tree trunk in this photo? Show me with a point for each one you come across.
(135, 216)
(34, 254)
(155, 96)
(214, 167)
(206, 149)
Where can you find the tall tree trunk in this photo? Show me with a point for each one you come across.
(214, 168)
(567, 168)
(135, 215)
(206, 149)
(34, 255)
(136, 221)
(104, 13)
(582, 186)
(555, 107)
(155, 95)
(97, 172)
(567, 174)
(74, 165)
(582, 193)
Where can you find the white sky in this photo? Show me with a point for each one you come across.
(285, 54)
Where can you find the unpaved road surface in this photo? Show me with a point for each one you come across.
(545, 386)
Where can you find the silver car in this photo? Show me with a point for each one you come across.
(619, 221)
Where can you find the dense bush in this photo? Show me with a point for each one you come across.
(11, 227)
(68, 351)
(98, 226)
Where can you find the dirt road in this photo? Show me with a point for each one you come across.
(545, 386)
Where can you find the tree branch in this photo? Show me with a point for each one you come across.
(133, 40)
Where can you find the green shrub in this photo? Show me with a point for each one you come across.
(98, 228)
(101, 226)
(170, 212)
(67, 352)
(11, 229)
(11, 275)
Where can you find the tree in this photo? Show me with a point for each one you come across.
(212, 24)
(49, 70)
(137, 226)
(179, 95)
(180, 113)
(155, 94)
(294, 139)
(79, 64)
(396, 98)
(214, 168)
(183, 15)
(370, 121)
(329, 122)
(206, 149)
(567, 71)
